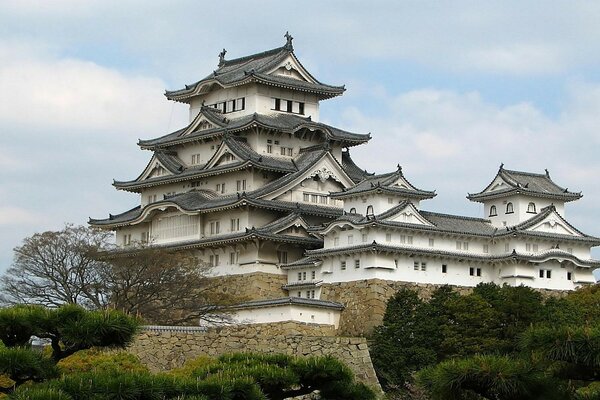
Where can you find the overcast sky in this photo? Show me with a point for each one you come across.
(449, 90)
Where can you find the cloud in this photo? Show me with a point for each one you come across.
(15, 216)
(78, 96)
(453, 142)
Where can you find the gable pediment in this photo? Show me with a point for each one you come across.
(497, 184)
(154, 169)
(200, 124)
(408, 215)
(298, 227)
(324, 176)
(403, 184)
(291, 68)
(223, 155)
(555, 224)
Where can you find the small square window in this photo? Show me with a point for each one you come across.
(569, 276)
(478, 271)
(471, 271)
(548, 274)
(541, 273)
(444, 268)
(423, 266)
(342, 265)
(416, 265)
(356, 263)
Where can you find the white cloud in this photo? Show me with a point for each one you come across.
(17, 216)
(453, 142)
(53, 93)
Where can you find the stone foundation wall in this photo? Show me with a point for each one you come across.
(252, 286)
(366, 300)
(163, 348)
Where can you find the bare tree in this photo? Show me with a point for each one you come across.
(165, 286)
(78, 265)
(54, 268)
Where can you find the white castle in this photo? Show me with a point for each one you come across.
(256, 184)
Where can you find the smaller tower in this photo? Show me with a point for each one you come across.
(514, 196)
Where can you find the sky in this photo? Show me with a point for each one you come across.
(448, 90)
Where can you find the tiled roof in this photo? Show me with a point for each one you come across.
(454, 224)
(300, 301)
(254, 68)
(386, 183)
(537, 185)
(522, 229)
(247, 157)
(353, 170)
(514, 256)
(202, 202)
(283, 122)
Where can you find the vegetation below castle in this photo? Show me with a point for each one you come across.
(494, 343)
(73, 367)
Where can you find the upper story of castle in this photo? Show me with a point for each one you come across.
(266, 83)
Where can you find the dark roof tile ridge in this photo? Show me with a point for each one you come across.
(463, 217)
(262, 54)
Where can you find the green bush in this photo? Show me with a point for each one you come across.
(39, 393)
(98, 360)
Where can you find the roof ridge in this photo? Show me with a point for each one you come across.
(261, 54)
(455, 216)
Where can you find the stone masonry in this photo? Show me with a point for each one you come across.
(163, 348)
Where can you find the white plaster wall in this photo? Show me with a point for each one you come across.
(205, 149)
(520, 214)
(265, 95)
(134, 230)
(380, 202)
(305, 314)
(220, 95)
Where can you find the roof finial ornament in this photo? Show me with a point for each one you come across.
(399, 167)
(222, 57)
(501, 165)
(547, 173)
(288, 43)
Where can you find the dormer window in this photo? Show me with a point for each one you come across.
(509, 208)
(493, 211)
(531, 208)
(293, 107)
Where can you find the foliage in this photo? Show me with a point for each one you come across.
(164, 286)
(230, 377)
(77, 265)
(279, 376)
(54, 268)
(486, 376)
(418, 333)
(98, 360)
(70, 328)
(400, 345)
(21, 365)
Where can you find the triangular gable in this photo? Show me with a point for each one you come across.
(402, 183)
(408, 215)
(290, 67)
(220, 156)
(497, 184)
(554, 223)
(297, 227)
(339, 226)
(201, 122)
(324, 169)
(154, 169)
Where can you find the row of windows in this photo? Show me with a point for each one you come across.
(310, 294)
(343, 264)
(510, 209)
(230, 105)
(315, 198)
(290, 106)
(302, 275)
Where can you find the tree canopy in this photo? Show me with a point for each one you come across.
(78, 265)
